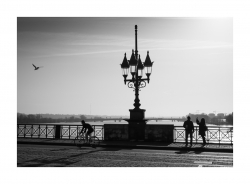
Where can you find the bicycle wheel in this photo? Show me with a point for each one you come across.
(94, 141)
(78, 141)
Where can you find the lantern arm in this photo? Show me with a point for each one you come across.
(128, 80)
(145, 79)
(131, 80)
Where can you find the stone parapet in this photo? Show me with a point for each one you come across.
(115, 132)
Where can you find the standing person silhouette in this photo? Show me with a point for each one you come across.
(202, 129)
(189, 129)
(86, 126)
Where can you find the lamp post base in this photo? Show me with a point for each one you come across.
(136, 129)
(137, 114)
(136, 125)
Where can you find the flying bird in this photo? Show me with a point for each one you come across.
(36, 68)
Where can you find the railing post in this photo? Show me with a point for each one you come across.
(219, 135)
(31, 132)
(17, 130)
(46, 130)
(207, 140)
(69, 131)
(57, 131)
(39, 131)
(24, 131)
(174, 134)
(231, 137)
(196, 134)
(102, 132)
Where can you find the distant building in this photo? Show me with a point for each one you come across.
(221, 120)
(220, 115)
(211, 115)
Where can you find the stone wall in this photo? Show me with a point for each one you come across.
(115, 132)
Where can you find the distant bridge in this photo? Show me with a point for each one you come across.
(120, 119)
(170, 118)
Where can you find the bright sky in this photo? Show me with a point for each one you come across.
(81, 57)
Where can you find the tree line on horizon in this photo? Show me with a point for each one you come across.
(214, 120)
(58, 118)
(48, 118)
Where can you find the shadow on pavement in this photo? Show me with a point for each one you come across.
(197, 152)
(65, 160)
(182, 152)
(113, 148)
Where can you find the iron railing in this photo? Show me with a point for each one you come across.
(215, 134)
(55, 131)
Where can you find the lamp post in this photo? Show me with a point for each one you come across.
(136, 67)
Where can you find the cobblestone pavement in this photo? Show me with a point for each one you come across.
(70, 156)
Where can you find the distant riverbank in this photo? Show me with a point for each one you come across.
(163, 122)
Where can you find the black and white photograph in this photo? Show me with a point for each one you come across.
(124, 92)
(94, 91)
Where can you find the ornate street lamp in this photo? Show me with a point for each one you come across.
(136, 122)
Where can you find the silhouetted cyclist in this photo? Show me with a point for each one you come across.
(85, 127)
(189, 128)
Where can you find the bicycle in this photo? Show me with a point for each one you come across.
(81, 140)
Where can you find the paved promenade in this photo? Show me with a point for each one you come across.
(33, 155)
(135, 145)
